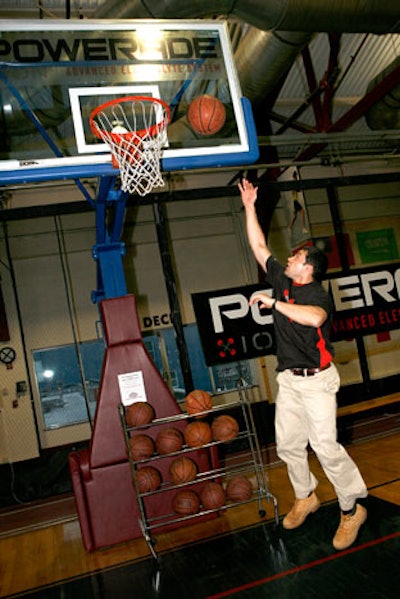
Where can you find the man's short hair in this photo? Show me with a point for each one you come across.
(318, 261)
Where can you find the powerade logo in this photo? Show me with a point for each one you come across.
(236, 305)
(366, 301)
(230, 329)
(365, 289)
(130, 48)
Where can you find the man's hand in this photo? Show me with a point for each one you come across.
(255, 234)
(265, 300)
(248, 193)
(308, 315)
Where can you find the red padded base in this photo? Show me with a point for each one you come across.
(102, 481)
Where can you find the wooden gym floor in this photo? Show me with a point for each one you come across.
(236, 555)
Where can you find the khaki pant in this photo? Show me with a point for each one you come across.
(306, 413)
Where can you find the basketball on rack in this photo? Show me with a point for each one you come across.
(212, 496)
(141, 447)
(139, 413)
(239, 489)
(198, 401)
(224, 428)
(169, 440)
(197, 433)
(186, 502)
(182, 470)
(148, 479)
(206, 115)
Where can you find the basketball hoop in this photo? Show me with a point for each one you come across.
(134, 127)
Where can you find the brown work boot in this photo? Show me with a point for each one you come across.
(349, 526)
(300, 510)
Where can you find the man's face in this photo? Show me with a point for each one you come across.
(296, 265)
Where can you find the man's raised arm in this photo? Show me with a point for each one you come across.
(255, 234)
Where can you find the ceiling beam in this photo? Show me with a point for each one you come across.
(15, 214)
(357, 111)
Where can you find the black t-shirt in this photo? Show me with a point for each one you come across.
(299, 346)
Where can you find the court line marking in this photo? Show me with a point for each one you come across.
(297, 569)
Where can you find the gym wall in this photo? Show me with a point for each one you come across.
(48, 274)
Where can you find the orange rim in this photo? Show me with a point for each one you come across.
(141, 132)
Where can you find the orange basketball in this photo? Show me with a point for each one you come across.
(141, 447)
(148, 479)
(197, 433)
(139, 413)
(182, 470)
(169, 440)
(212, 496)
(239, 489)
(186, 502)
(198, 401)
(224, 428)
(206, 115)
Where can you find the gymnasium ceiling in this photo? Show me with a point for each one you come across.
(323, 78)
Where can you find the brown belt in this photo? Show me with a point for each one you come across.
(308, 371)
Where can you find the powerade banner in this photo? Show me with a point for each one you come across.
(229, 328)
(366, 302)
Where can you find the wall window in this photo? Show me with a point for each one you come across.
(67, 379)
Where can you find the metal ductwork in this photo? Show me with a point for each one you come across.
(385, 114)
(346, 16)
(270, 56)
(280, 30)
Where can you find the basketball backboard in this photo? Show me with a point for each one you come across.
(53, 73)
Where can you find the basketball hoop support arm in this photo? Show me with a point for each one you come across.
(109, 249)
(36, 122)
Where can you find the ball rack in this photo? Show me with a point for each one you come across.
(252, 467)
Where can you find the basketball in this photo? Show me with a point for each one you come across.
(212, 496)
(224, 428)
(239, 489)
(182, 470)
(198, 401)
(118, 128)
(139, 413)
(206, 115)
(186, 502)
(148, 479)
(197, 433)
(169, 440)
(141, 447)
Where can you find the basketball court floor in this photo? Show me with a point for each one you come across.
(236, 556)
(260, 561)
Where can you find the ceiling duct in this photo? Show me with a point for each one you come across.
(346, 16)
(385, 114)
(280, 30)
(270, 55)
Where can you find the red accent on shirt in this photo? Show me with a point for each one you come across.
(325, 357)
(288, 300)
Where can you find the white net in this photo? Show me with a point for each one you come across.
(135, 130)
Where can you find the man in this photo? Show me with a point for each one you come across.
(307, 378)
